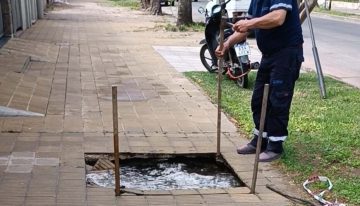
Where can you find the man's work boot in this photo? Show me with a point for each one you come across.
(273, 152)
(269, 156)
(250, 148)
(246, 149)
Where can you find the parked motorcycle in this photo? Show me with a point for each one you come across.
(236, 62)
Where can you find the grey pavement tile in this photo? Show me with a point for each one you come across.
(45, 171)
(20, 168)
(70, 201)
(4, 160)
(40, 201)
(12, 201)
(161, 200)
(10, 191)
(12, 125)
(50, 137)
(47, 155)
(73, 137)
(28, 137)
(20, 161)
(97, 191)
(24, 146)
(189, 200)
(142, 143)
(217, 198)
(132, 201)
(47, 161)
(22, 155)
(211, 191)
(245, 198)
(238, 190)
(49, 148)
(72, 176)
(163, 150)
(261, 181)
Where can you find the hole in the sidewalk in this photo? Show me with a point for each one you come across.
(161, 171)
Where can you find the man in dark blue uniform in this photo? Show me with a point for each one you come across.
(279, 37)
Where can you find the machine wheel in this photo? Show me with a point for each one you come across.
(255, 65)
(243, 82)
(206, 59)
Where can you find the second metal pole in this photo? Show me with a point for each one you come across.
(316, 54)
(219, 76)
(260, 136)
(116, 141)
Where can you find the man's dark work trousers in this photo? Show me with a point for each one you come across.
(280, 70)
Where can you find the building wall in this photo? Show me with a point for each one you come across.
(17, 15)
(1, 24)
(6, 17)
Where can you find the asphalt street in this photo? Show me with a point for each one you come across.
(338, 44)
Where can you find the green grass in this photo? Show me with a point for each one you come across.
(335, 13)
(352, 1)
(324, 136)
(133, 4)
(194, 27)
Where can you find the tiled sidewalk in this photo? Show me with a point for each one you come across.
(78, 53)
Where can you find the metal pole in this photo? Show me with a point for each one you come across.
(116, 140)
(260, 136)
(219, 77)
(315, 53)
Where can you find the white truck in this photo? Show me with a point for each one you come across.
(238, 7)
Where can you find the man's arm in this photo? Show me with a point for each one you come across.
(231, 41)
(271, 20)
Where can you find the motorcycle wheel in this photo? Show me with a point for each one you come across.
(255, 65)
(206, 59)
(243, 82)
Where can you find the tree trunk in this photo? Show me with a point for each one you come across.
(145, 4)
(155, 7)
(302, 10)
(184, 12)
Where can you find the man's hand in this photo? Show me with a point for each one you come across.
(243, 26)
(220, 51)
(233, 39)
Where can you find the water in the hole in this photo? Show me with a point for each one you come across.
(168, 174)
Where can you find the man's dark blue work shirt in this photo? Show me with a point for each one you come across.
(287, 35)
